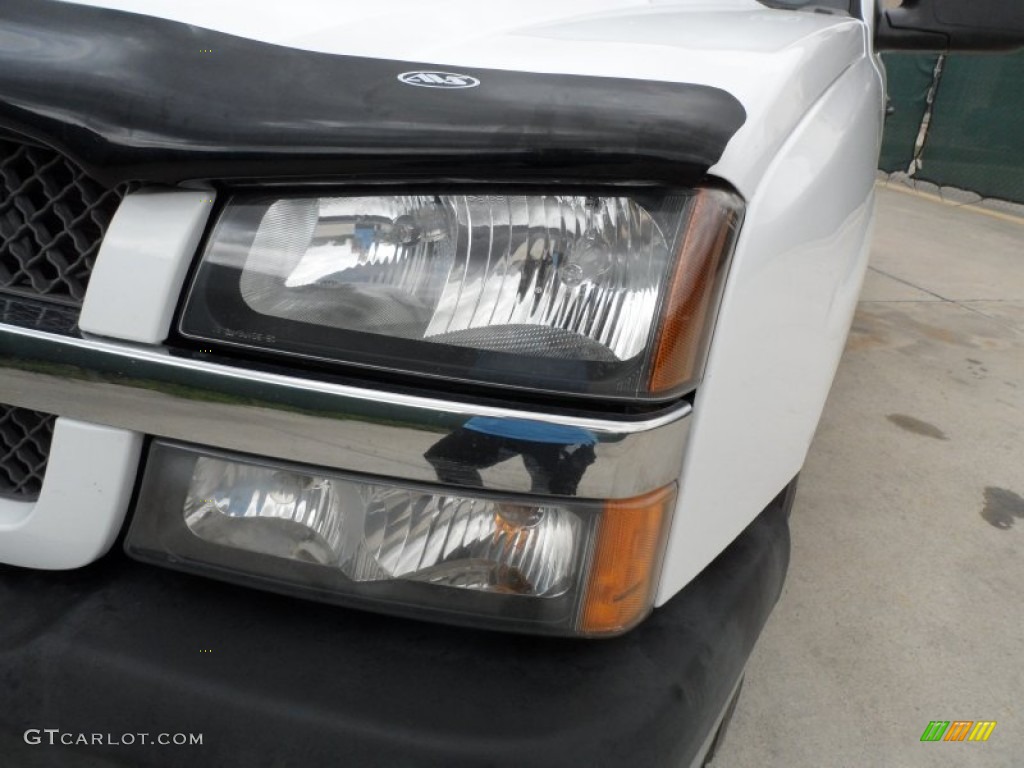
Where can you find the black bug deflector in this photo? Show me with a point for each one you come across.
(133, 97)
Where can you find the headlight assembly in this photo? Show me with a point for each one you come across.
(608, 296)
(524, 563)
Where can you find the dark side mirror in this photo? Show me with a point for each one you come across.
(950, 25)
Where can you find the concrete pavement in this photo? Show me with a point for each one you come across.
(905, 597)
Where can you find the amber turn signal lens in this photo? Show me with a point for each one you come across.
(687, 316)
(627, 558)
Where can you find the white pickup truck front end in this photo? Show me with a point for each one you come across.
(507, 320)
(437, 364)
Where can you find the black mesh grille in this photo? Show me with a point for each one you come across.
(24, 448)
(39, 315)
(52, 220)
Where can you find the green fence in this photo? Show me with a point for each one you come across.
(910, 78)
(974, 131)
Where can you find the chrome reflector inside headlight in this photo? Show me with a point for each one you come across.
(557, 293)
(550, 566)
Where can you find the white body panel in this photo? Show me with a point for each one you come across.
(783, 322)
(804, 161)
(141, 266)
(89, 480)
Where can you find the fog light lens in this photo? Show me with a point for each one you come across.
(275, 512)
(469, 543)
(374, 532)
(528, 564)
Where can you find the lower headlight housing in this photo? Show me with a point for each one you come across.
(548, 566)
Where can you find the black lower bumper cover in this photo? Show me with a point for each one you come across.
(122, 648)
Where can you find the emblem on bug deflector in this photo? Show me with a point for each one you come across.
(439, 80)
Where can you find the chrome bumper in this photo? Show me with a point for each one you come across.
(149, 390)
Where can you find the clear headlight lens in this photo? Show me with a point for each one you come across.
(559, 293)
(560, 567)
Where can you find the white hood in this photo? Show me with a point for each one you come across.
(777, 63)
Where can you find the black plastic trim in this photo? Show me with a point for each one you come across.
(950, 25)
(134, 97)
(116, 648)
(851, 7)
